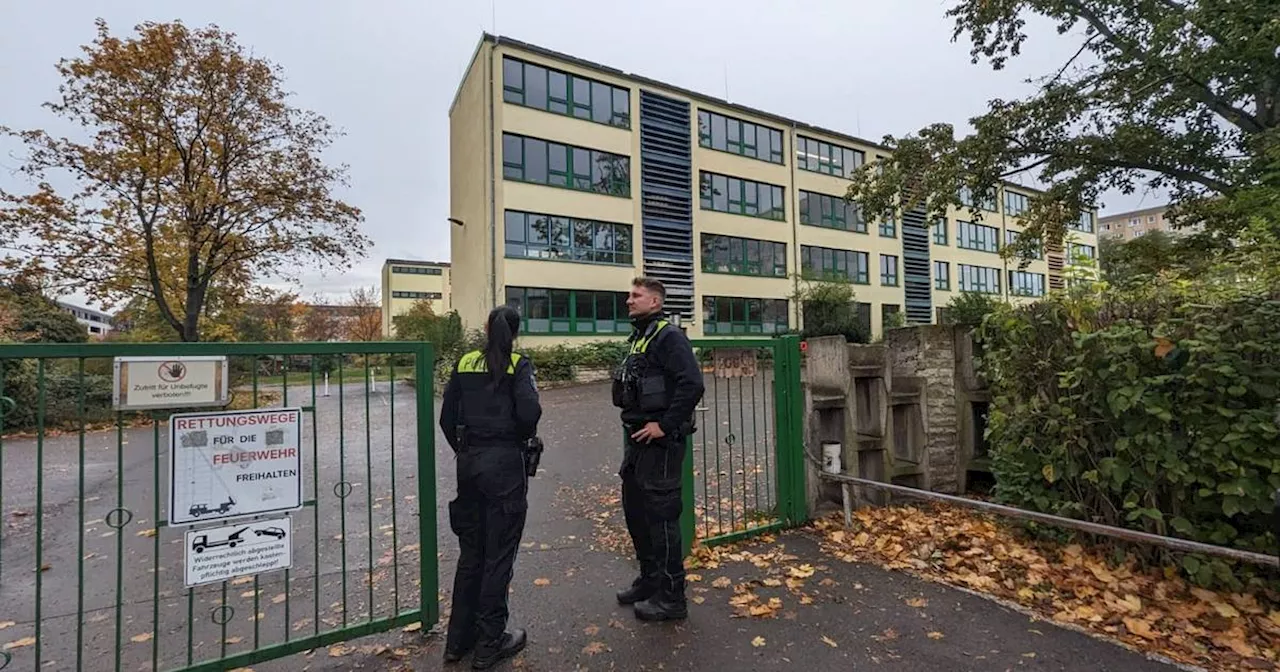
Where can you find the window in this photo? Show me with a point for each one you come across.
(889, 228)
(736, 136)
(725, 315)
(831, 212)
(940, 232)
(889, 270)
(741, 197)
(1087, 252)
(970, 236)
(397, 294)
(1085, 223)
(1022, 283)
(562, 93)
(540, 236)
(986, 202)
(1011, 236)
(825, 157)
(1014, 203)
(824, 263)
(569, 311)
(743, 256)
(416, 270)
(942, 275)
(979, 279)
(890, 314)
(541, 162)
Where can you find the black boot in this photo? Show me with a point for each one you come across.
(641, 589)
(492, 653)
(455, 654)
(667, 604)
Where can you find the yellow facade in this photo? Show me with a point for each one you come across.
(405, 282)
(489, 206)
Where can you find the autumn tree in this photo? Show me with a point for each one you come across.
(363, 315)
(269, 315)
(198, 174)
(1172, 95)
(319, 324)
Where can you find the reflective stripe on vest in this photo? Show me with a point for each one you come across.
(473, 362)
(640, 345)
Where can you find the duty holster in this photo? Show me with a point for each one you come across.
(532, 453)
(460, 435)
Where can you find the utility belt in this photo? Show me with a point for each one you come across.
(686, 429)
(530, 450)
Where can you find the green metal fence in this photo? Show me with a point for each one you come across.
(745, 464)
(92, 574)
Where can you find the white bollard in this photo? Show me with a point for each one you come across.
(326, 383)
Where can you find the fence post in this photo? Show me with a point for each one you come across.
(429, 562)
(687, 518)
(790, 402)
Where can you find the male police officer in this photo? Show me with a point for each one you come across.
(657, 387)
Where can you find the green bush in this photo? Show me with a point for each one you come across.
(1153, 410)
(968, 309)
(830, 309)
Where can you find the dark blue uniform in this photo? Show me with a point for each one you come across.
(660, 381)
(487, 426)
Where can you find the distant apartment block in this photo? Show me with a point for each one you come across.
(97, 323)
(1130, 225)
(568, 178)
(405, 282)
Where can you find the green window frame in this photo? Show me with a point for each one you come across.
(402, 294)
(556, 91)
(828, 158)
(534, 235)
(980, 237)
(1024, 283)
(979, 279)
(1085, 223)
(826, 263)
(736, 196)
(889, 228)
(731, 255)
(830, 212)
(889, 270)
(940, 231)
(736, 136)
(1011, 237)
(1015, 204)
(554, 164)
(732, 316)
(942, 275)
(986, 202)
(416, 270)
(569, 311)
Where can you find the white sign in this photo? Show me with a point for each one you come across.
(234, 463)
(170, 382)
(220, 553)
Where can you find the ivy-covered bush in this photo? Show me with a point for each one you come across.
(1155, 410)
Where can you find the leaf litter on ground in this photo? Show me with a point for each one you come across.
(1145, 608)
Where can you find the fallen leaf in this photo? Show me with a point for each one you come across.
(722, 582)
(935, 635)
(279, 598)
(698, 599)
(25, 641)
(542, 582)
(772, 583)
(594, 648)
(829, 642)
(1140, 628)
(412, 627)
(693, 577)
(338, 651)
(9, 624)
(150, 532)
(1226, 610)
(242, 581)
(801, 572)
(758, 641)
(918, 602)
(234, 640)
(591, 630)
(144, 637)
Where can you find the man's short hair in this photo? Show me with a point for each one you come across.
(652, 284)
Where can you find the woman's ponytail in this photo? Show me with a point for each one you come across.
(504, 325)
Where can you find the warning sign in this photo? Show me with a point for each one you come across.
(235, 463)
(222, 553)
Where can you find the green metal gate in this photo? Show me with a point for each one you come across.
(91, 573)
(745, 465)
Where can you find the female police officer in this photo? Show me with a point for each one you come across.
(489, 412)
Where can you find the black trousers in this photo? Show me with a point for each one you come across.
(488, 516)
(652, 500)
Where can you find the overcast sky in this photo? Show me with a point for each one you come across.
(385, 72)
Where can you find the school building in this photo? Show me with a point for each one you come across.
(568, 178)
(405, 282)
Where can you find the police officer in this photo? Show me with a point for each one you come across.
(489, 414)
(657, 387)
